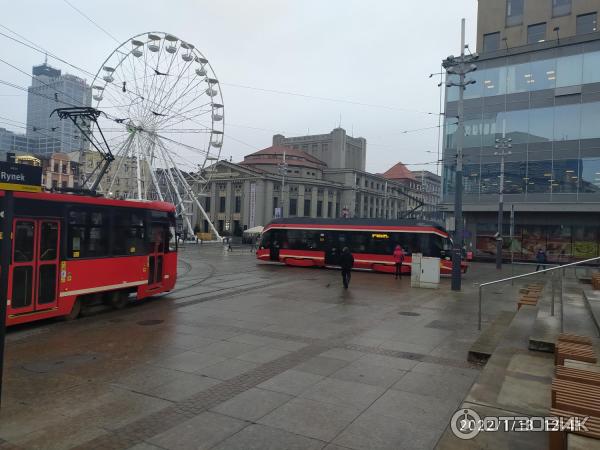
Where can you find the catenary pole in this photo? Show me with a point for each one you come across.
(460, 66)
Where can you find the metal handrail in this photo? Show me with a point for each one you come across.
(529, 275)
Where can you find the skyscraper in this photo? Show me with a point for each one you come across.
(50, 90)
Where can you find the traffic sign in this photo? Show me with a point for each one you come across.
(20, 177)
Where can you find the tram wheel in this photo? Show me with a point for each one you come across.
(119, 300)
(75, 311)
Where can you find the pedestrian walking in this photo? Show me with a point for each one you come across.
(346, 261)
(541, 259)
(398, 260)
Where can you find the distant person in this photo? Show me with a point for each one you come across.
(541, 259)
(398, 260)
(346, 261)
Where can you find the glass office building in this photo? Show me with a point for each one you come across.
(547, 96)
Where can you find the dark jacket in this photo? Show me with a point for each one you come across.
(346, 261)
(541, 256)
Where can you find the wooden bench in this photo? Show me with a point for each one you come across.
(569, 350)
(575, 339)
(581, 394)
(578, 375)
(558, 439)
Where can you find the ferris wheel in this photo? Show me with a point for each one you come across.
(163, 119)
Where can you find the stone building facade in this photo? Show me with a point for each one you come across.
(254, 191)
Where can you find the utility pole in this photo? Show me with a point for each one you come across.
(503, 144)
(460, 66)
(283, 170)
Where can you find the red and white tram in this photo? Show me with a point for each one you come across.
(71, 249)
(309, 242)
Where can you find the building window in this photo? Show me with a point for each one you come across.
(207, 204)
(221, 204)
(536, 33)
(329, 208)
(64, 168)
(491, 42)
(275, 202)
(54, 184)
(64, 184)
(325, 146)
(561, 8)
(307, 207)
(293, 206)
(319, 208)
(238, 204)
(514, 12)
(586, 23)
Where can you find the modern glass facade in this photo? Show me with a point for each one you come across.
(549, 102)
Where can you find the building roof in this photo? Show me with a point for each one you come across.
(279, 150)
(398, 172)
(274, 156)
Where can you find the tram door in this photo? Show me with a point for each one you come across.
(33, 284)
(333, 250)
(158, 243)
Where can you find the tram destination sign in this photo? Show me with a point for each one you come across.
(20, 177)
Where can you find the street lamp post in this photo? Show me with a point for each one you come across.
(504, 143)
(460, 66)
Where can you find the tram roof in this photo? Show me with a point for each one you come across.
(91, 200)
(358, 221)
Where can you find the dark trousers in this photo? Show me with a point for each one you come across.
(346, 274)
(398, 269)
(543, 266)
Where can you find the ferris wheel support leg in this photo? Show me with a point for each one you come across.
(210, 224)
(191, 194)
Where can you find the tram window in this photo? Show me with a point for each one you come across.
(129, 234)
(21, 286)
(359, 242)
(97, 243)
(48, 241)
(381, 244)
(303, 239)
(265, 239)
(87, 233)
(23, 242)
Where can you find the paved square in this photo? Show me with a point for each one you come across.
(255, 356)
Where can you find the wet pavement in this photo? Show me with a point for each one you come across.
(249, 355)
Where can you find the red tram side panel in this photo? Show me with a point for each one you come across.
(363, 229)
(52, 276)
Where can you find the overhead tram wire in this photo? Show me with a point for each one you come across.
(92, 21)
(32, 45)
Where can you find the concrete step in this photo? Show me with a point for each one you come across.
(514, 382)
(576, 314)
(483, 347)
(592, 299)
(546, 327)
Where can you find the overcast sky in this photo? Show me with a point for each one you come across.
(369, 52)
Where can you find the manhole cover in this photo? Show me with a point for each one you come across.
(408, 313)
(150, 322)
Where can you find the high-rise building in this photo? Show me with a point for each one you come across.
(538, 79)
(50, 89)
(12, 142)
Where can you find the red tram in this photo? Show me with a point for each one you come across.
(72, 249)
(309, 242)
